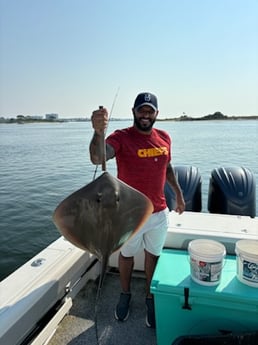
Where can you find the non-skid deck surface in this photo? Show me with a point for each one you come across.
(82, 327)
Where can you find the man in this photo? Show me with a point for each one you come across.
(143, 162)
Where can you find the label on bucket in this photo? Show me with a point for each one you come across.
(250, 271)
(206, 271)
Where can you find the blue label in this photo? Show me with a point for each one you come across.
(250, 271)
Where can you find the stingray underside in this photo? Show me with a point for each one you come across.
(103, 215)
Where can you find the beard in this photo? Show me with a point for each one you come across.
(144, 127)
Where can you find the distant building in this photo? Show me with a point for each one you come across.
(52, 116)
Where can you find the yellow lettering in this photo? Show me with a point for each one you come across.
(141, 153)
(153, 152)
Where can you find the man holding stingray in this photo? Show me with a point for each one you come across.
(143, 156)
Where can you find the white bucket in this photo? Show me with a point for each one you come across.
(247, 262)
(206, 261)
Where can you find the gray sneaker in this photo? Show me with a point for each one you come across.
(122, 308)
(150, 316)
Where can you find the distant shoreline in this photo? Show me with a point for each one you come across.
(216, 116)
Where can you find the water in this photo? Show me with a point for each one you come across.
(41, 164)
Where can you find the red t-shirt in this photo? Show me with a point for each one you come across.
(142, 161)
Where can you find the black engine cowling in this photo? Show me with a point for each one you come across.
(232, 191)
(189, 180)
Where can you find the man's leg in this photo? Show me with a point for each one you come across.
(125, 265)
(154, 239)
(149, 266)
(125, 268)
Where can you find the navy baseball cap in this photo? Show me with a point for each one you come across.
(146, 98)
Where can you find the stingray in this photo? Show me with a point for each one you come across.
(102, 216)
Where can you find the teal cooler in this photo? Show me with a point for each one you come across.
(184, 307)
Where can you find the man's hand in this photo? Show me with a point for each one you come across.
(180, 203)
(99, 120)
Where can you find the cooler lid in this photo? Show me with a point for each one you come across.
(172, 275)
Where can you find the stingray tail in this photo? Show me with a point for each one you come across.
(104, 263)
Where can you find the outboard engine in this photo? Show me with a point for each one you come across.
(232, 191)
(189, 180)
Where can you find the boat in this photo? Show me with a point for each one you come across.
(52, 299)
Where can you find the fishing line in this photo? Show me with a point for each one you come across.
(109, 117)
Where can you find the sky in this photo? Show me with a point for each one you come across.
(70, 56)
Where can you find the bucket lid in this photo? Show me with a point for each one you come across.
(247, 247)
(207, 248)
